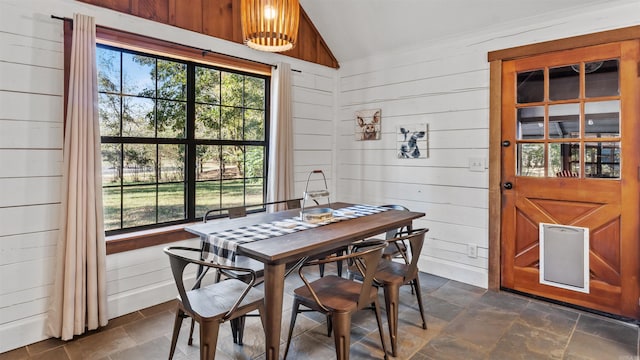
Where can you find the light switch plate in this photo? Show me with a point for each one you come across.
(477, 164)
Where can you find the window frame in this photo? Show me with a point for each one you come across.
(190, 141)
(167, 233)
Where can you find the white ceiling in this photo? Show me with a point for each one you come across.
(361, 28)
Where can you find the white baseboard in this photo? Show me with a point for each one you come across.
(455, 271)
(30, 330)
(23, 332)
(130, 301)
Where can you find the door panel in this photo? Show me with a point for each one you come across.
(570, 165)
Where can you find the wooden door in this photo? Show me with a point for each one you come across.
(570, 131)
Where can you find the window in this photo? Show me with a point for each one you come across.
(178, 138)
(568, 121)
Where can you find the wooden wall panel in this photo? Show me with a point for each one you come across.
(186, 14)
(117, 5)
(156, 10)
(220, 19)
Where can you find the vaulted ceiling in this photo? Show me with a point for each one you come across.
(361, 28)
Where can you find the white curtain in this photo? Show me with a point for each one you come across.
(280, 177)
(79, 299)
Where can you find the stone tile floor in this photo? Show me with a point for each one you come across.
(464, 322)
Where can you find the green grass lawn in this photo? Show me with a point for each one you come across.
(142, 205)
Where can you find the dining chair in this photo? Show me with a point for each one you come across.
(339, 298)
(391, 275)
(211, 305)
(397, 249)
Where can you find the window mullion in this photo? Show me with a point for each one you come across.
(190, 193)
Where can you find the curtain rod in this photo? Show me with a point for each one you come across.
(204, 51)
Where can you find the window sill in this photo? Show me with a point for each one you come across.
(141, 239)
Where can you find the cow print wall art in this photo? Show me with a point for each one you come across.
(413, 141)
(368, 124)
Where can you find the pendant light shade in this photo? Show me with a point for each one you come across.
(270, 25)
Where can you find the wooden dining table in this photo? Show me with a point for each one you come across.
(278, 251)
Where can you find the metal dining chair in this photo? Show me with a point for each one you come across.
(213, 304)
(391, 275)
(396, 249)
(339, 298)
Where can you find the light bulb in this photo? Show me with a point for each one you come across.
(269, 12)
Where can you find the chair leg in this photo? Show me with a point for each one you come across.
(209, 340)
(193, 322)
(176, 331)
(416, 286)
(342, 334)
(391, 296)
(237, 329)
(376, 309)
(329, 325)
(321, 268)
(294, 315)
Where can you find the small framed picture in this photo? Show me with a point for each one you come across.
(413, 141)
(368, 124)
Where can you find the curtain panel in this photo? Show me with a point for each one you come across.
(280, 177)
(79, 300)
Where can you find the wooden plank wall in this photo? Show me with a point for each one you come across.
(220, 19)
(31, 139)
(446, 85)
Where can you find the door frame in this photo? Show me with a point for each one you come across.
(496, 59)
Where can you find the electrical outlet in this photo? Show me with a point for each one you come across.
(472, 250)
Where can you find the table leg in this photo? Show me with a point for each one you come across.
(273, 294)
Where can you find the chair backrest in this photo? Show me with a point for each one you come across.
(416, 241)
(293, 204)
(237, 212)
(365, 257)
(393, 233)
(179, 261)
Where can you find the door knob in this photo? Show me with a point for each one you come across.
(507, 185)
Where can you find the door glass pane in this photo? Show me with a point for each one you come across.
(564, 160)
(602, 119)
(564, 82)
(531, 160)
(530, 86)
(601, 78)
(531, 123)
(564, 121)
(602, 160)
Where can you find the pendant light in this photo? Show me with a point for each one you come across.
(270, 25)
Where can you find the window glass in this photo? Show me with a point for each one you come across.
(531, 123)
(564, 121)
(601, 78)
(602, 119)
(602, 160)
(138, 75)
(531, 160)
(158, 127)
(530, 86)
(564, 82)
(564, 160)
